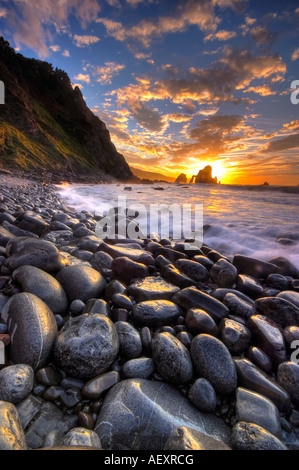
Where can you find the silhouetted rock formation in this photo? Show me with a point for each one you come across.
(182, 179)
(204, 176)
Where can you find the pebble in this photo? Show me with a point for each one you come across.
(71, 397)
(86, 345)
(239, 306)
(85, 420)
(254, 408)
(204, 261)
(122, 301)
(126, 270)
(171, 358)
(260, 359)
(114, 287)
(223, 273)
(280, 310)
(141, 368)
(77, 307)
(290, 296)
(268, 337)
(198, 321)
(213, 362)
(202, 395)
(47, 376)
(152, 288)
(235, 336)
(172, 275)
(253, 378)
(191, 297)
(32, 327)
(192, 269)
(16, 382)
(249, 286)
(99, 306)
(82, 437)
(249, 436)
(185, 338)
(277, 281)
(253, 267)
(188, 439)
(130, 344)
(288, 378)
(290, 334)
(81, 282)
(155, 312)
(12, 436)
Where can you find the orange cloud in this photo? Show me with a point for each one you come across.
(84, 41)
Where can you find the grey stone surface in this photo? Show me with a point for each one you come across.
(11, 433)
(130, 344)
(156, 312)
(43, 285)
(188, 439)
(142, 368)
(288, 378)
(82, 437)
(172, 359)
(81, 282)
(193, 298)
(249, 436)
(86, 345)
(254, 408)
(212, 360)
(32, 328)
(283, 312)
(202, 395)
(152, 288)
(223, 273)
(16, 382)
(139, 414)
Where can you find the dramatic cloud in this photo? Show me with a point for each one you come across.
(148, 118)
(32, 23)
(221, 35)
(107, 72)
(84, 41)
(82, 78)
(188, 13)
(295, 54)
(282, 144)
(262, 36)
(264, 90)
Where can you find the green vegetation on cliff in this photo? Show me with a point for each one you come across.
(45, 123)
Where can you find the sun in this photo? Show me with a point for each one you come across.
(218, 170)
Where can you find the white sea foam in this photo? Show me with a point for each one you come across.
(237, 220)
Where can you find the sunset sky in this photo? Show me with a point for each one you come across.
(179, 84)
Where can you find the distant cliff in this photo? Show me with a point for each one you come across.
(46, 124)
(204, 176)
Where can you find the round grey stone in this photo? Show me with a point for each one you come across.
(82, 437)
(212, 360)
(81, 282)
(202, 395)
(130, 344)
(16, 382)
(86, 345)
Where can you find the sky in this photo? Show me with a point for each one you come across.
(179, 83)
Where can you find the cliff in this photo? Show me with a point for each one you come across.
(205, 176)
(46, 124)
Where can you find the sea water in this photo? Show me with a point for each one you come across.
(237, 219)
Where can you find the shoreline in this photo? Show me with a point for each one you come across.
(151, 310)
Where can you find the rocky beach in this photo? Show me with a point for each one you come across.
(139, 344)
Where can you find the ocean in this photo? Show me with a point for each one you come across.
(256, 221)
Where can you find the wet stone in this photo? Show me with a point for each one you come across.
(187, 439)
(122, 301)
(85, 420)
(290, 334)
(82, 437)
(152, 288)
(253, 378)
(254, 408)
(277, 281)
(280, 310)
(288, 378)
(171, 274)
(239, 306)
(156, 312)
(202, 395)
(185, 338)
(193, 298)
(53, 393)
(47, 376)
(268, 337)
(34, 329)
(249, 286)
(86, 345)
(260, 359)
(141, 368)
(71, 382)
(71, 397)
(11, 433)
(95, 387)
(253, 267)
(223, 273)
(146, 339)
(119, 314)
(235, 336)
(198, 321)
(204, 261)
(126, 270)
(77, 307)
(102, 262)
(16, 382)
(172, 359)
(152, 401)
(192, 269)
(81, 282)
(249, 436)
(213, 362)
(290, 296)
(114, 287)
(98, 306)
(130, 344)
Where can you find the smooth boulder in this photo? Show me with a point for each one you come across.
(81, 282)
(32, 328)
